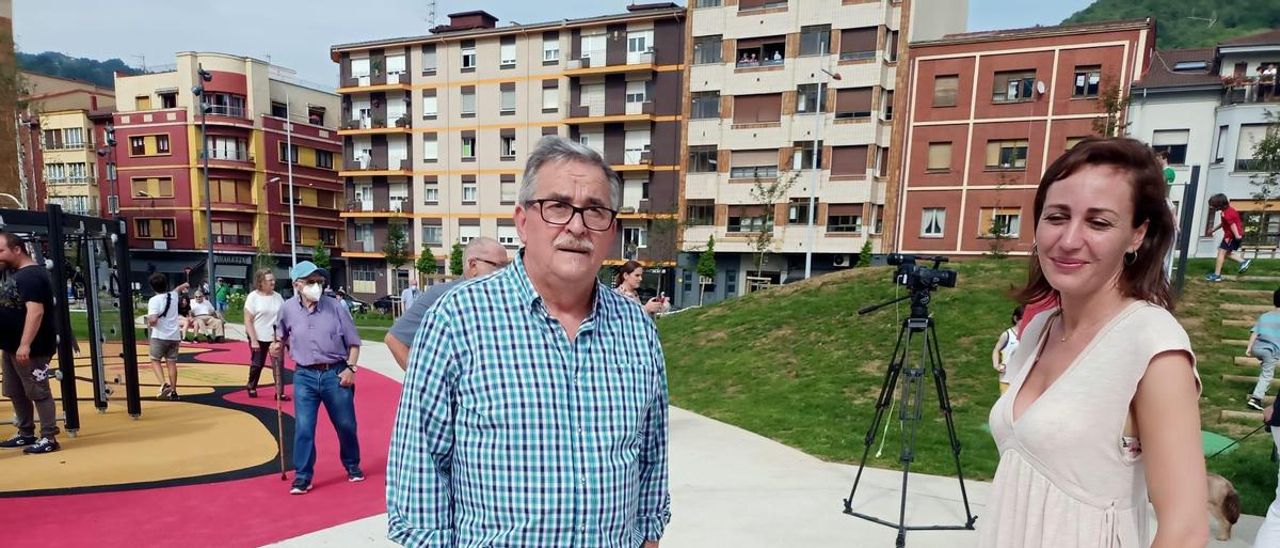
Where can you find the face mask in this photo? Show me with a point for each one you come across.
(312, 292)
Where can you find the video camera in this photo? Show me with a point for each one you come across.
(917, 277)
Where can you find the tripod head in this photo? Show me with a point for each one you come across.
(920, 282)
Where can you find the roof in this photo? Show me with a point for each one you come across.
(660, 10)
(1163, 75)
(1268, 38)
(1040, 31)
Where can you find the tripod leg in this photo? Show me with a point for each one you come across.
(944, 403)
(887, 390)
(912, 411)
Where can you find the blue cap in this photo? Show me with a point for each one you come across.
(306, 268)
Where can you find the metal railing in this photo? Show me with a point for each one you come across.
(228, 110)
(233, 239)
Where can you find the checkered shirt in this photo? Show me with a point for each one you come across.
(510, 434)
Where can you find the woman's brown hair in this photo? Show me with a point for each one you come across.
(626, 268)
(261, 276)
(1144, 278)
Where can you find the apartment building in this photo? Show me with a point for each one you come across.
(252, 111)
(985, 114)
(788, 100)
(10, 183)
(1209, 107)
(56, 144)
(437, 129)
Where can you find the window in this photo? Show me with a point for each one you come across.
(815, 40)
(844, 218)
(169, 100)
(233, 233)
(706, 3)
(708, 49)
(1246, 142)
(637, 91)
(428, 59)
(1172, 142)
(798, 211)
(593, 45)
(148, 145)
(432, 235)
(155, 229)
(550, 97)
(639, 42)
(993, 221)
(395, 67)
(1006, 154)
(753, 164)
(324, 159)
(466, 233)
(1073, 141)
(507, 189)
(757, 52)
(702, 159)
(706, 104)
(853, 103)
(469, 193)
(886, 105)
(859, 44)
(635, 237)
(430, 107)
(225, 104)
(944, 90)
(757, 109)
(364, 277)
(939, 157)
(142, 102)
(1222, 143)
(1270, 223)
(468, 55)
(1086, 81)
(508, 144)
(137, 146)
(508, 236)
(932, 222)
(227, 148)
(1013, 87)
(507, 52)
(162, 144)
(688, 281)
(279, 110)
(809, 98)
(877, 225)
(849, 162)
(430, 147)
(550, 47)
(73, 137)
(430, 192)
(802, 157)
(288, 156)
(700, 212)
(360, 68)
(468, 101)
(507, 98)
(151, 187)
(468, 146)
(749, 218)
(231, 191)
(891, 46)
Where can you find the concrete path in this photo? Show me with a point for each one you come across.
(730, 487)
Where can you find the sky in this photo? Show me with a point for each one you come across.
(297, 34)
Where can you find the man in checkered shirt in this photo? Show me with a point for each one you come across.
(534, 410)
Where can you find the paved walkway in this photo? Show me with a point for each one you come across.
(730, 487)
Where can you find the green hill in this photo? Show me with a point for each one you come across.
(798, 365)
(53, 63)
(1189, 23)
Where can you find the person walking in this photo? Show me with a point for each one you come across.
(322, 339)
(481, 257)
(1264, 344)
(409, 295)
(28, 341)
(1005, 346)
(627, 281)
(534, 409)
(261, 310)
(221, 293)
(166, 337)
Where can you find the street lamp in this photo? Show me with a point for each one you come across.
(198, 91)
(293, 227)
(820, 116)
(108, 152)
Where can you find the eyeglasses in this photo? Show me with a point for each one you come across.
(556, 212)
(494, 264)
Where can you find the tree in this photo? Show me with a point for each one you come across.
(320, 255)
(264, 259)
(455, 259)
(864, 256)
(1113, 104)
(396, 248)
(1266, 178)
(767, 193)
(706, 266)
(999, 233)
(426, 264)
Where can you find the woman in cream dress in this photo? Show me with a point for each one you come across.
(1102, 414)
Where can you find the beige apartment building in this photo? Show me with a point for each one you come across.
(766, 79)
(437, 129)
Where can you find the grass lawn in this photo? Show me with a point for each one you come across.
(373, 326)
(798, 365)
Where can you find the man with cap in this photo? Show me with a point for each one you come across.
(322, 339)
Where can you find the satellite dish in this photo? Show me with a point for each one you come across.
(1040, 87)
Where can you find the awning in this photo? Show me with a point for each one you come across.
(230, 271)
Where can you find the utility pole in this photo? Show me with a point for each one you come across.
(198, 91)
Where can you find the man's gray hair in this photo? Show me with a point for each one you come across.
(554, 148)
(476, 244)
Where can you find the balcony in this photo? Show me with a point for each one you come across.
(1248, 92)
(59, 147)
(583, 114)
(375, 82)
(229, 159)
(594, 63)
(394, 207)
(370, 125)
(233, 239)
(69, 181)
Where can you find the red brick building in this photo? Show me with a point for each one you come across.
(987, 112)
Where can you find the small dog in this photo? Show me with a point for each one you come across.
(1224, 504)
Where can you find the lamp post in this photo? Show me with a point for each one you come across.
(820, 115)
(288, 136)
(293, 237)
(198, 91)
(108, 152)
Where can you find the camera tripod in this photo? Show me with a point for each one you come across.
(917, 327)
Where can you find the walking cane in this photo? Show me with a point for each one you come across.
(277, 363)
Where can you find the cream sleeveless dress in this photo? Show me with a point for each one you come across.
(1068, 477)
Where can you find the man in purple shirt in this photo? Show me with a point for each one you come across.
(322, 339)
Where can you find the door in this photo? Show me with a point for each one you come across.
(364, 193)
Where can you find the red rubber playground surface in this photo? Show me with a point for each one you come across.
(178, 477)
